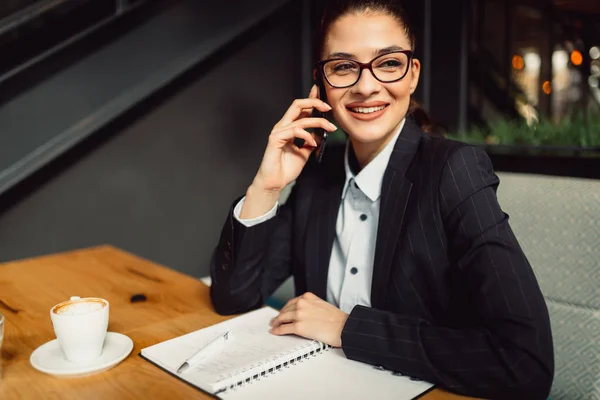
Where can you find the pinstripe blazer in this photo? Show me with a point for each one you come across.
(454, 300)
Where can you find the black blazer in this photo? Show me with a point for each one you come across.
(454, 300)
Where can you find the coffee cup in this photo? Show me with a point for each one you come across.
(80, 325)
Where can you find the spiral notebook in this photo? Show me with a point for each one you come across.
(256, 364)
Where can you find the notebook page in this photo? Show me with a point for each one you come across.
(251, 346)
(330, 376)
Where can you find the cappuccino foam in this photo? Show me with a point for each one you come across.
(79, 308)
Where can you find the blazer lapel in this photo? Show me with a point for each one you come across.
(321, 232)
(395, 193)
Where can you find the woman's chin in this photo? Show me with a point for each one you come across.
(370, 132)
(369, 135)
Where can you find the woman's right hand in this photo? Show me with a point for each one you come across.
(283, 161)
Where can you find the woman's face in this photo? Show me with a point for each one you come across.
(363, 36)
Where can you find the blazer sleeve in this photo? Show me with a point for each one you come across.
(250, 263)
(506, 353)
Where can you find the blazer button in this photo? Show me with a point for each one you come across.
(224, 266)
(354, 270)
(363, 217)
(228, 255)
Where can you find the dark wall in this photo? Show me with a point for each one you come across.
(161, 186)
(446, 25)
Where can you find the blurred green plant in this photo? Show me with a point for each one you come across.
(578, 129)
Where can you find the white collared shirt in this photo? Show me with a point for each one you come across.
(353, 253)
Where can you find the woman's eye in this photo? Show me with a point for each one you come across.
(344, 67)
(390, 64)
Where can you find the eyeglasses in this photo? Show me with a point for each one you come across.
(386, 68)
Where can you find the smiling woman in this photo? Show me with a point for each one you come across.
(400, 252)
(370, 109)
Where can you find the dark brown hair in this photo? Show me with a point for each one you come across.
(335, 9)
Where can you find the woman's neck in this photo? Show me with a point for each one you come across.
(366, 152)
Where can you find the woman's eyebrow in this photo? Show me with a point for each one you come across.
(389, 49)
(385, 50)
(341, 55)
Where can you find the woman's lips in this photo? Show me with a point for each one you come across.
(367, 113)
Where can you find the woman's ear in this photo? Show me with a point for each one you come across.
(415, 73)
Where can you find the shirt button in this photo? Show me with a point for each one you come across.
(363, 217)
(354, 271)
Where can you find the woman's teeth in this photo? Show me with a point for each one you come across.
(367, 110)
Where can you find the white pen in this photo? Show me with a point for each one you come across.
(212, 347)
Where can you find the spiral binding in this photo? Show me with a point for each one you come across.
(269, 367)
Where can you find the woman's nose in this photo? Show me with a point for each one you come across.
(367, 84)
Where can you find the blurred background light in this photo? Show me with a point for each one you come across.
(560, 60)
(547, 87)
(576, 57)
(518, 63)
(532, 62)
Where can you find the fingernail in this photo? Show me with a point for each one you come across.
(328, 106)
(315, 143)
(332, 126)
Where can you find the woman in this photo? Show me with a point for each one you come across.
(399, 250)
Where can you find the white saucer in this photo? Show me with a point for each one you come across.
(49, 358)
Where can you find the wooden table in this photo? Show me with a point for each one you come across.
(176, 304)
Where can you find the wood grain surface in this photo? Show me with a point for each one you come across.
(176, 304)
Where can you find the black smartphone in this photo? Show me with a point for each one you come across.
(320, 133)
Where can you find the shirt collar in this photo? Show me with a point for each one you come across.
(370, 178)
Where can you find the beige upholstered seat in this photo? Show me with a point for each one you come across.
(557, 222)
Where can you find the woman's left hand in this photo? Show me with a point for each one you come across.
(312, 318)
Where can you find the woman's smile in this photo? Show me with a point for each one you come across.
(367, 111)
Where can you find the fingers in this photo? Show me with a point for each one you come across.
(290, 312)
(304, 152)
(314, 92)
(311, 123)
(285, 329)
(299, 302)
(300, 105)
(290, 306)
(284, 318)
(302, 108)
(298, 130)
(284, 136)
(318, 93)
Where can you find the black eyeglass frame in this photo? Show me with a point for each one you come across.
(363, 66)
